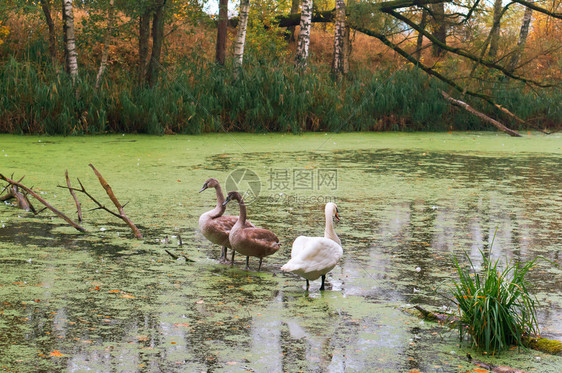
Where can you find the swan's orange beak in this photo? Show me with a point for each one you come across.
(337, 216)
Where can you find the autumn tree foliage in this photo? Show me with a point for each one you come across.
(472, 47)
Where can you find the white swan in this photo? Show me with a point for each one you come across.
(313, 257)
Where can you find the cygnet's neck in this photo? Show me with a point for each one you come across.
(242, 217)
(219, 208)
(329, 231)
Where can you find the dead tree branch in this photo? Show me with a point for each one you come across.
(83, 190)
(112, 197)
(47, 205)
(479, 114)
(13, 192)
(78, 206)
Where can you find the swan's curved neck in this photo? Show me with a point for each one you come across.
(242, 217)
(329, 231)
(219, 209)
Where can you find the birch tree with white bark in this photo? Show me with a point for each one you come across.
(301, 58)
(339, 35)
(70, 53)
(516, 56)
(241, 35)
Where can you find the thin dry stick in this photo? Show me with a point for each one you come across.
(83, 190)
(78, 206)
(112, 197)
(37, 197)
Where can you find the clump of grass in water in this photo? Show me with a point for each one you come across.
(495, 306)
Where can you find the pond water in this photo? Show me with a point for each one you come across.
(105, 301)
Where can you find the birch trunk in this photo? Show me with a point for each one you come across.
(495, 33)
(241, 35)
(105, 47)
(304, 34)
(222, 30)
(71, 56)
(514, 60)
(339, 35)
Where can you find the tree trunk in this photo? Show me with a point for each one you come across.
(153, 67)
(144, 36)
(514, 60)
(419, 41)
(71, 56)
(304, 34)
(46, 6)
(106, 40)
(222, 30)
(241, 35)
(291, 29)
(440, 27)
(339, 35)
(495, 33)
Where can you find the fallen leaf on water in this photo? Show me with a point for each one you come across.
(127, 296)
(114, 291)
(231, 363)
(56, 353)
(480, 370)
(182, 324)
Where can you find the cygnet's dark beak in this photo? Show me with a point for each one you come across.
(204, 187)
(226, 200)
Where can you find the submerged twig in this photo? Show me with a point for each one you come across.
(176, 257)
(112, 197)
(37, 197)
(78, 207)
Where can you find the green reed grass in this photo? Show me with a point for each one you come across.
(495, 305)
(203, 97)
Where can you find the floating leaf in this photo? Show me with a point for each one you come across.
(56, 353)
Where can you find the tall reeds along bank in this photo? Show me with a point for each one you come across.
(267, 97)
(495, 306)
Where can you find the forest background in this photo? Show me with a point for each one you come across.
(168, 66)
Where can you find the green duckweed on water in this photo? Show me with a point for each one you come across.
(105, 301)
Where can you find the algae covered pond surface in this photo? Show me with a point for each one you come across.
(105, 301)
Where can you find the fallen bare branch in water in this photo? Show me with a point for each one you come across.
(480, 115)
(78, 207)
(176, 257)
(493, 368)
(14, 193)
(112, 197)
(45, 203)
